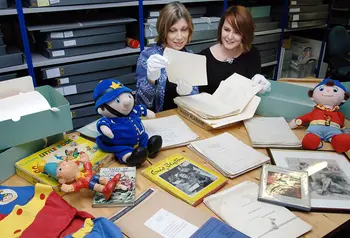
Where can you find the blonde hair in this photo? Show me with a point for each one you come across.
(168, 16)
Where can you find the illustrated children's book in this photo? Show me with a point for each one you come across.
(184, 178)
(69, 148)
(124, 193)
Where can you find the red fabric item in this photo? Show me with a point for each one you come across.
(318, 114)
(341, 143)
(311, 141)
(2, 216)
(56, 219)
(84, 180)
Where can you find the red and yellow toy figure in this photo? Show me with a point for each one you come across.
(68, 174)
(325, 120)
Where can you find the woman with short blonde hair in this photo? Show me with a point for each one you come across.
(174, 28)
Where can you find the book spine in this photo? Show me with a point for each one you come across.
(193, 119)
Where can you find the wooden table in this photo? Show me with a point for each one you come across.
(322, 223)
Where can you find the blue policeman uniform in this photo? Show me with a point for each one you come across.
(129, 133)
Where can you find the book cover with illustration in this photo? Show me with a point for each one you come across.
(124, 193)
(185, 178)
(68, 148)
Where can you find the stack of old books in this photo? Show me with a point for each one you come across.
(233, 101)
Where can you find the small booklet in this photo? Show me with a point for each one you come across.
(184, 178)
(228, 154)
(214, 228)
(124, 193)
(271, 132)
(240, 208)
(172, 129)
(230, 98)
(284, 187)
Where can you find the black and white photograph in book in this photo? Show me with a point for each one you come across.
(188, 178)
(331, 182)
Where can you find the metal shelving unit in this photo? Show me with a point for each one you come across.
(269, 64)
(13, 68)
(8, 12)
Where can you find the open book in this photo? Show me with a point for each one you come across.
(240, 208)
(228, 154)
(271, 132)
(230, 98)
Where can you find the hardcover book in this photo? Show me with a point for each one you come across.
(184, 178)
(68, 148)
(124, 193)
(284, 187)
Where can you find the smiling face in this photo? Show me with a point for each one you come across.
(66, 171)
(230, 38)
(328, 95)
(178, 34)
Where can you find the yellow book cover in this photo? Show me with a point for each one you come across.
(69, 148)
(184, 178)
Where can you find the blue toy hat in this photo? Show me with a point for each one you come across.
(336, 83)
(107, 90)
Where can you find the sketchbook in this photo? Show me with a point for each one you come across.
(230, 98)
(240, 208)
(228, 155)
(172, 129)
(271, 132)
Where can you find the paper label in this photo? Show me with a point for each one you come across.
(293, 3)
(64, 80)
(54, 1)
(69, 43)
(294, 10)
(169, 225)
(7, 196)
(68, 34)
(57, 53)
(52, 73)
(43, 3)
(296, 18)
(294, 24)
(55, 35)
(60, 90)
(68, 90)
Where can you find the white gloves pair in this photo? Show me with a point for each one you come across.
(260, 80)
(154, 65)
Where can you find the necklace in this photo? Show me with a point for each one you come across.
(230, 61)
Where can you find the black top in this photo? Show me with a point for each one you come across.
(247, 64)
(169, 95)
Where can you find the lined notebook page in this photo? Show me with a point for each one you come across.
(271, 131)
(172, 129)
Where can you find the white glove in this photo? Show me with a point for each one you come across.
(150, 114)
(292, 124)
(259, 79)
(106, 131)
(183, 88)
(154, 64)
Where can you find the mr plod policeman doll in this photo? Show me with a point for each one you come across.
(121, 129)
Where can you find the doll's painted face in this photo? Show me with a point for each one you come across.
(123, 104)
(328, 95)
(66, 171)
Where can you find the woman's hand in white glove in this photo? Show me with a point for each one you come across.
(183, 88)
(259, 79)
(154, 64)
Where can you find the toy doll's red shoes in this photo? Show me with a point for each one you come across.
(311, 141)
(110, 186)
(341, 143)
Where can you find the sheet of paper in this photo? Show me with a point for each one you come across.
(172, 129)
(236, 91)
(89, 130)
(230, 153)
(15, 86)
(169, 225)
(242, 199)
(188, 67)
(22, 104)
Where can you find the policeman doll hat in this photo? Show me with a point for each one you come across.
(107, 90)
(336, 83)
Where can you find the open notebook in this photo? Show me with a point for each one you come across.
(271, 132)
(228, 154)
(240, 208)
(230, 98)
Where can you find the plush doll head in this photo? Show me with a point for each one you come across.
(66, 171)
(113, 99)
(329, 93)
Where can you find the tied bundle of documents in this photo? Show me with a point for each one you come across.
(230, 98)
(172, 129)
(271, 132)
(228, 155)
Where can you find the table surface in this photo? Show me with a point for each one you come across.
(322, 223)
